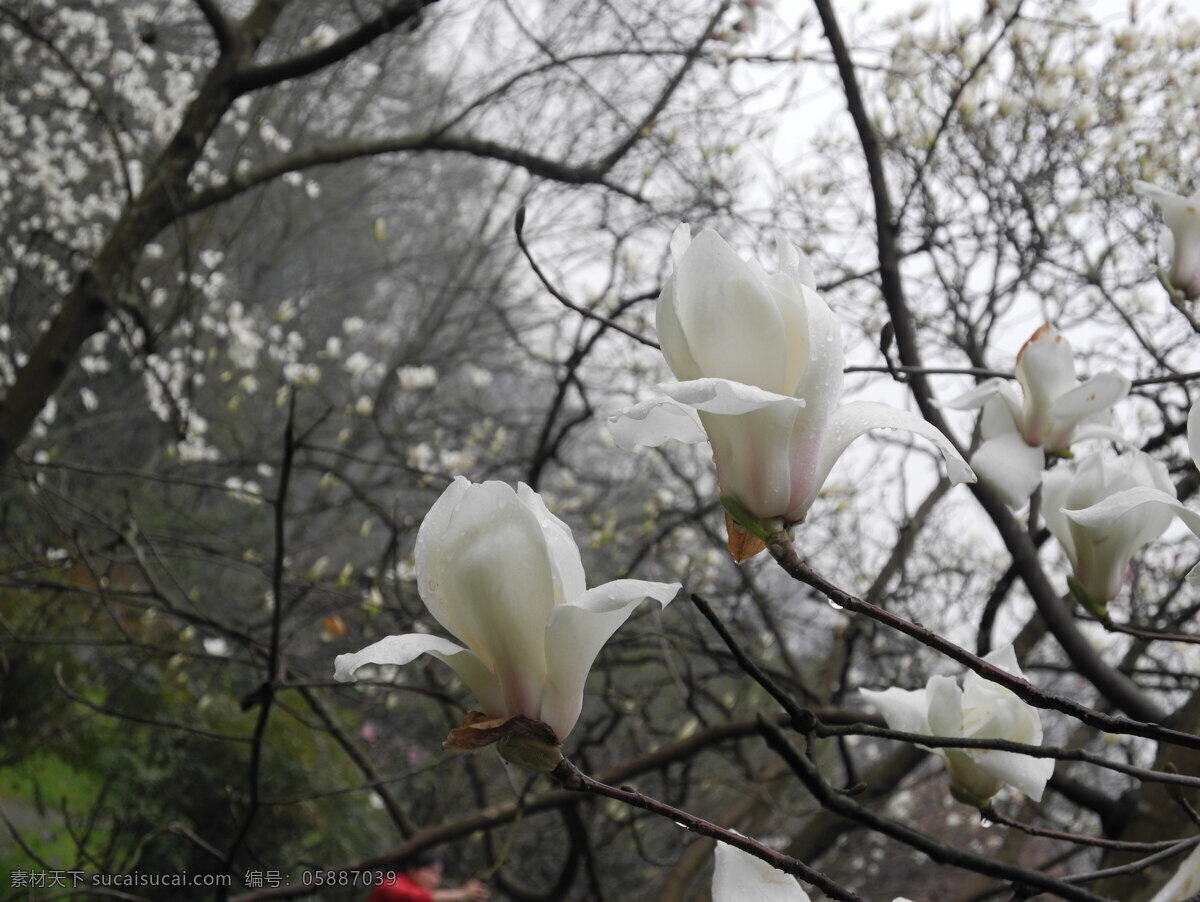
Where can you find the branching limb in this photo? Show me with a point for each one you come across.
(780, 546)
(939, 852)
(519, 229)
(389, 19)
(571, 778)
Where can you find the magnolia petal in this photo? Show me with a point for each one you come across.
(757, 457)
(1056, 484)
(1112, 508)
(575, 633)
(1182, 240)
(793, 261)
(821, 381)
(1024, 772)
(740, 877)
(484, 571)
(656, 422)
(1012, 718)
(981, 394)
(1087, 431)
(1010, 466)
(428, 558)
(1045, 368)
(672, 340)
(732, 326)
(1091, 397)
(565, 562)
(674, 418)
(854, 419)
(906, 710)
(1193, 433)
(1006, 659)
(681, 240)
(1001, 415)
(403, 649)
(945, 700)
(724, 396)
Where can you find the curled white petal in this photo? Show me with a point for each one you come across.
(656, 422)
(575, 633)
(853, 420)
(1114, 507)
(404, 649)
(982, 393)
(906, 710)
(1095, 396)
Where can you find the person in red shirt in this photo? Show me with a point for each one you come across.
(418, 882)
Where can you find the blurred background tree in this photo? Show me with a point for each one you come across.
(261, 300)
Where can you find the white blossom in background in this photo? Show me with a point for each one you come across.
(244, 341)
(477, 377)
(981, 709)
(321, 36)
(417, 378)
(302, 374)
(216, 646)
(1181, 240)
(357, 364)
(498, 571)
(420, 456)
(1052, 411)
(245, 490)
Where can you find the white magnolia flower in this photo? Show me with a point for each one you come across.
(759, 359)
(981, 709)
(1100, 553)
(740, 877)
(503, 575)
(1184, 884)
(1181, 241)
(1053, 410)
(1113, 520)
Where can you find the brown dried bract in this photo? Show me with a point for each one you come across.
(743, 545)
(478, 730)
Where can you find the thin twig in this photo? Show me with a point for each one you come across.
(264, 696)
(571, 778)
(939, 852)
(780, 546)
(519, 229)
(1079, 839)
